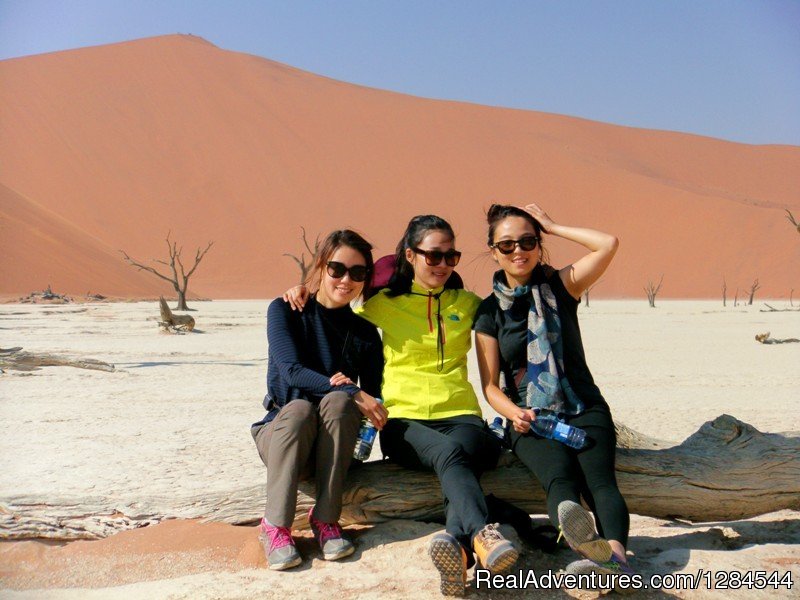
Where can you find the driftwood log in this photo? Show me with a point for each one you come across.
(727, 470)
(19, 360)
(773, 309)
(764, 338)
(171, 321)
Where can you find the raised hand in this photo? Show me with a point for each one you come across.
(537, 213)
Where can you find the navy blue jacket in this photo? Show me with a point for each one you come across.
(307, 348)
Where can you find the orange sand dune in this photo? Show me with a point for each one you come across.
(39, 249)
(127, 141)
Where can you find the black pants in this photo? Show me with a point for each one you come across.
(458, 450)
(566, 474)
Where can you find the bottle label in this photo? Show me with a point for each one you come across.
(367, 434)
(561, 432)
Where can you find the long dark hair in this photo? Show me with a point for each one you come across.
(418, 228)
(499, 212)
(337, 239)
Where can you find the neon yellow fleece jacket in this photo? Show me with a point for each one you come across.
(413, 386)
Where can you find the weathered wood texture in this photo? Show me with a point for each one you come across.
(170, 321)
(19, 360)
(764, 338)
(727, 470)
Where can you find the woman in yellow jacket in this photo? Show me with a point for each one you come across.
(435, 421)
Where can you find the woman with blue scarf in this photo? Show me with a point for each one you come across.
(532, 363)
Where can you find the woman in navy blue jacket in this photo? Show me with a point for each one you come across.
(314, 405)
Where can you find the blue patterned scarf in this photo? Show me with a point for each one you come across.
(548, 387)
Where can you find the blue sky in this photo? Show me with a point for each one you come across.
(723, 68)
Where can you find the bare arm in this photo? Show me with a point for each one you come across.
(580, 275)
(489, 366)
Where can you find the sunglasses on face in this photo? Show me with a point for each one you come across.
(525, 243)
(337, 270)
(434, 257)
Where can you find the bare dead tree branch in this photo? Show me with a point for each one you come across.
(753, 287)
(305, 267)
(179, 281)
(724, 292)
(652, 290)
(141, 267)
(792, 220)
(197, 258)
(589, 289)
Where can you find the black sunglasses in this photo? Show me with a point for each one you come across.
(525, 243)
(337, 270)
(434, 257)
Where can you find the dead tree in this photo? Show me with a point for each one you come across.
(48, 294)
(755, 286)
(171, 322)
(305, 267)
(179, 278)
(589, 289)
(724, 292)
(792, 220)
(736, 297)
(791, 301)
(652, 291)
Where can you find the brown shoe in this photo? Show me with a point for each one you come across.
(494, 551)
(450, 559)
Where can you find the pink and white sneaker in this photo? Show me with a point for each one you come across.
(278, 546)
(330, 538)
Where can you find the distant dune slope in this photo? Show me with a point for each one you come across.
(39, 249)
(127, 141)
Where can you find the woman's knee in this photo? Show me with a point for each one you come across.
(563, 486)
(295, 418)
(338, 405)
(447, 454)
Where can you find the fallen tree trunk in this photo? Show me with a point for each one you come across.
(19, 360)
(727, 470)
(773, 309)
(764, 338)
(172, 322)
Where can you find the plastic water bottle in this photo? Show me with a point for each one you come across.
(549, 426)
(496, 427)
(366, 437)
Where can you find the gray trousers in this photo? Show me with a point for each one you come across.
(305, 439)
